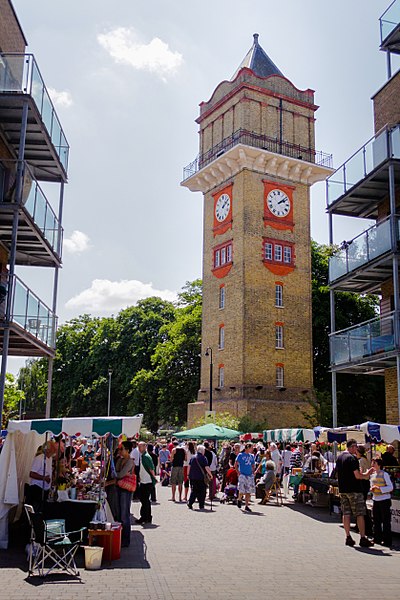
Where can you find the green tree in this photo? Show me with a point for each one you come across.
(32, 380)
(173, 378)
(13, 397)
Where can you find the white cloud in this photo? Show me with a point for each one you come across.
(111, 296)
(77, 243)
(63, 98)
(156, 57)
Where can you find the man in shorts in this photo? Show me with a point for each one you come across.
(351, 494)
(245, 466)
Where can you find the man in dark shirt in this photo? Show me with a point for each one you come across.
(350, 490)
(388, 457)
(197, 466)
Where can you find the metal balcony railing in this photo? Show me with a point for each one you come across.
(384, 145)
(33, 200)
(30, 313)
(389, 20)
(368, 339)
(19, 73)
(367, 246)
(256, 140)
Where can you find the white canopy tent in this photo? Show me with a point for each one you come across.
(22, 441)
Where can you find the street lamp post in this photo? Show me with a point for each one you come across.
(209, 353)
(109, 392)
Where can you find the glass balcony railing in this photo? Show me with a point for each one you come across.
(365, 340)
(20, 73)
(367, 246)
(30, 313)
(34, 201)
(390, 19)
(377, 150)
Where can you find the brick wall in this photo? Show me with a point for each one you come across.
(11, 35)
(387, 103)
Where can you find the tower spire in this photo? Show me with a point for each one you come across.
(258, 61)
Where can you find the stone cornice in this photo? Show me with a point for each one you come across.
(265, 162)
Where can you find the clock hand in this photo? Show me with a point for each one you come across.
(280, 201)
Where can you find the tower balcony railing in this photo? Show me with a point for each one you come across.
(19, 73)
(369, 339)
(256, 140)
(380, 148)
(364, 248)
(30, 313)
(33, 200)
(389, 20)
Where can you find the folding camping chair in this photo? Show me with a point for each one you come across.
(51, 544)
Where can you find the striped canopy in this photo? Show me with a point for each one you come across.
(81, 426)
(289, 435)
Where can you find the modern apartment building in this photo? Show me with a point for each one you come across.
(33, 150)
(366, 186)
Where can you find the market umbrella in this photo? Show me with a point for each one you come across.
(208, 432)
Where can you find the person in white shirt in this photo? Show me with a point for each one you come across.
(381, 488)
(41, 474)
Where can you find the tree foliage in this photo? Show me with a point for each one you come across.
(13, 398)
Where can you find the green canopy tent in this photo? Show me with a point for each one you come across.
(208, 432)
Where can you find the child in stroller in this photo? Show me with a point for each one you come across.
(231, 490)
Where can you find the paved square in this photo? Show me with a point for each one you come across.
(293, 551)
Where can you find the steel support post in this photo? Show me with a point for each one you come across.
(13, 251)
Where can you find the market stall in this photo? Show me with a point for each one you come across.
(289, 435)
(22, 441)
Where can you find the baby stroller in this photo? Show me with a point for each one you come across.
(230, 494)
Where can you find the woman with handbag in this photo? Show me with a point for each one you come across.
(126, 484)
(198, 472)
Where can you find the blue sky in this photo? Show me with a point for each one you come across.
(127, 78)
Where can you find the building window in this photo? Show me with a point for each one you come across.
(223, 255)
(278, 294)
(221, 338)
(279, 376)
(278, 253)
(221, 376)
(278, 336)
(287, 255)
(222, 296)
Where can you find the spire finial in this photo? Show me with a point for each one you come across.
(255, 36)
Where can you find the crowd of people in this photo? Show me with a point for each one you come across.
(233, 473)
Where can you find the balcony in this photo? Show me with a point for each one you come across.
(390, 28)
(362, 182)
(255, 140)
(39, 230)
(365, 348)
(46, 147)
(32, 323)
(362, 264)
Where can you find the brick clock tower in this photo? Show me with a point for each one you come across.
(256, 164)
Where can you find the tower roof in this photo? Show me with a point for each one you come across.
(258, 61)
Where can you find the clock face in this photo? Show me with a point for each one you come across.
(222, 207)
(278, 203)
